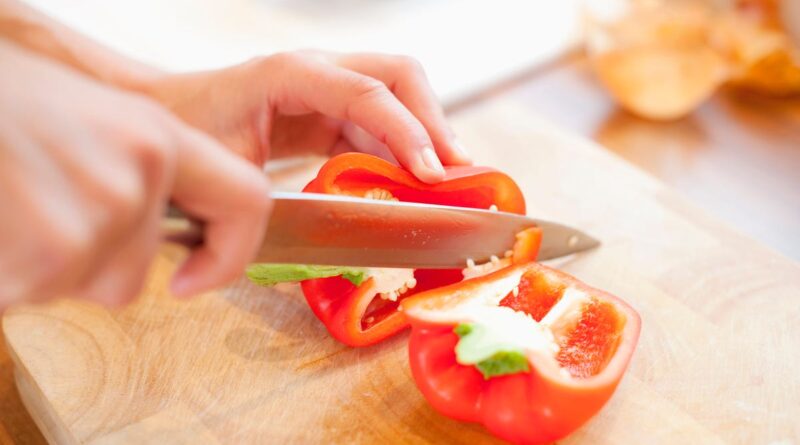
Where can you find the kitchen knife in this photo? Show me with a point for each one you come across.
(312, 228)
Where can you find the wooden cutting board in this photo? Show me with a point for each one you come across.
(717, 361)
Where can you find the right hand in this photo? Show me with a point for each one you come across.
(85, 174)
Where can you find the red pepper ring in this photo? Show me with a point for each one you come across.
(463, 186)
(542, 404)
(355, 315)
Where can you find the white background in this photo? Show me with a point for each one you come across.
(465, 45)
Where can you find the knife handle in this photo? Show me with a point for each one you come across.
(179, 228)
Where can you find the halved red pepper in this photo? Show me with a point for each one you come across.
(594, 332)
(353, 314)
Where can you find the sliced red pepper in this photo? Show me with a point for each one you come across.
(526, 248)
(560, 391)
(353, 314)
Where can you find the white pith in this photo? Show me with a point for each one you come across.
(478, 270)
(516, 328)
(380, 195)
(566, 313)
(389, 283)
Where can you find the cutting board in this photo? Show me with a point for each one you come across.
(717, 361)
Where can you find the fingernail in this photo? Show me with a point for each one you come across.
(431, 160)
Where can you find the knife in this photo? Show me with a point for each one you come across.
(312, 228)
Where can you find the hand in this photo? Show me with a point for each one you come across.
(85, 172)
(304, 102)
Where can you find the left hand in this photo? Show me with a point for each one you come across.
(317, 102)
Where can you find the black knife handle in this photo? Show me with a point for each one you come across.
(179, 228)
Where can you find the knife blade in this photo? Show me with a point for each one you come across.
(311, 228)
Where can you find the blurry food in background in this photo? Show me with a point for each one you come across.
(754, 38)
(662, 59)
(657, 60)
(790, 13)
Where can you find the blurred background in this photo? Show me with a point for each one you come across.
(705, 95)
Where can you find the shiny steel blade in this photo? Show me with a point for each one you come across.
(310, 228)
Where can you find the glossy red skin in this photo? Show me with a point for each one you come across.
(526, 408)
(339, 304)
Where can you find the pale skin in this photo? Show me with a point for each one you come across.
(94, 145)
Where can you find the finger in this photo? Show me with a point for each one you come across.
(304, 134)
(362, 100)
(122, 272)
(359, 140)
(407, 80)
(119, 280)
(232, 197)
(45, 233)
(115, 200)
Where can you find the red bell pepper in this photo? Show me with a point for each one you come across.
(356, 315)
(531, 385)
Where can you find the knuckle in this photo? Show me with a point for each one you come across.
(286, 59)
(283, 65)
(366, 92)
(367, 88)
(149, 127)
(154, 149)
(154, 158)
(69, 245)
(149, 107)
(258, 200)
(409, 65)
(123, 199)
(126, 199)
(311, 53)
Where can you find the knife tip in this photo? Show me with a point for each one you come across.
(579, 243)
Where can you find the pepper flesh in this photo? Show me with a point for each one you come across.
(559, 393)
(355, 315)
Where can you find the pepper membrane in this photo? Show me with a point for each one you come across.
(577, 341)
(360, 315)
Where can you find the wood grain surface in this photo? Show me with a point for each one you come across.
(737, 155)
(717, 360)
(16, 425)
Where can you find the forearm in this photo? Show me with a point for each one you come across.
(38, 33)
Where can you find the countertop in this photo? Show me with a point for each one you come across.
(737, 157)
